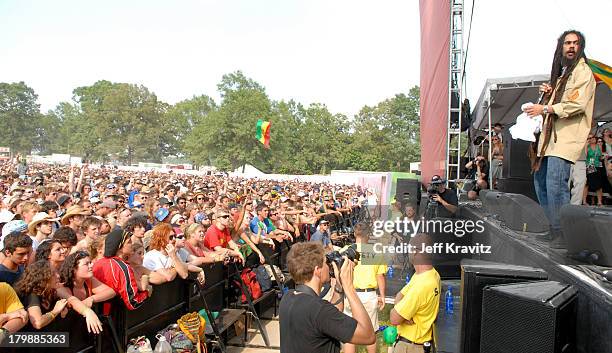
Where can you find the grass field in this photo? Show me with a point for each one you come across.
(383, 320)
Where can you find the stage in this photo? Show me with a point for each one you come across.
(594, 316)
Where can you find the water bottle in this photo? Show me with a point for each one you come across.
(390, 272)
(162, 345)
(449, 300)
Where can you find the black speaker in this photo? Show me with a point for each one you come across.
(516, 160)
(490, 200)
(475, 276)
(408, 191)
(532, 317)
(519, 212)
(517, 186)
(587, 230)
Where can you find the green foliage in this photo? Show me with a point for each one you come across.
(19, 116)
(122, 122)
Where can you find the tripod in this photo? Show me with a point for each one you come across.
(431, 211)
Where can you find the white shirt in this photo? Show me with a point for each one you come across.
(155, 259)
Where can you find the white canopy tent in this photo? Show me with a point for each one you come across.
(501, 100)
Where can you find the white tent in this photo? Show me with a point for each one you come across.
(501, 100)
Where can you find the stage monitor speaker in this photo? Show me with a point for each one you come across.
(532, 317)
(516, 160)
(587, 230)
(519, 212)
(490, 200)
(475, 276)
(408, 191)
(517, 186)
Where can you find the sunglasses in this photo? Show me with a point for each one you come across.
(224, 216)
(273, 214)
(172, 237)
(200, 198)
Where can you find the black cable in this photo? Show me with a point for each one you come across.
(467, 47)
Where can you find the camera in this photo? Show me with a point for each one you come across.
(337, 257)
(432, 190)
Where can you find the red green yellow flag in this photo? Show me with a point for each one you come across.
(263, 132)
(601, 71)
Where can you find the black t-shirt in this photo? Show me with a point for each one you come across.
(310, 324)
(9, 276)
(449, 196)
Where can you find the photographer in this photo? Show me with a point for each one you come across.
(311, 324)
(417, 304)
(477, 171)
(445, 199)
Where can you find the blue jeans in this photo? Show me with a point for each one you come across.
(551, 187)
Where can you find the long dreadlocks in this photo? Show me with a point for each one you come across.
(559, 74)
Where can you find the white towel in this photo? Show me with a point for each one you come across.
(525, 126)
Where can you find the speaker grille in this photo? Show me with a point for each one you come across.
(526, 318)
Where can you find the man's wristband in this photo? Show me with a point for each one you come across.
(338, 290)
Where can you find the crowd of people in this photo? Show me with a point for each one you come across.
(75, 236)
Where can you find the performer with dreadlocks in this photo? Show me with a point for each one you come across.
(568, 115)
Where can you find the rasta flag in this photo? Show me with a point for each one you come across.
(601, 71)
(263, 132)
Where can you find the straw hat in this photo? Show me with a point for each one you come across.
(74, 211)
(38, 218)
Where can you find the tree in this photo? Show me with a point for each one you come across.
(124, 122)
(19, 116)
(186, 115)
(227, 137)
(386, 137)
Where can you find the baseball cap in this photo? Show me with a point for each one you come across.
(164, 201)
(176, 218)
(6, 216)
(436, 179)
(161, 214)
(14, 226)
(62, 199)
(199, 217)
(324, 222)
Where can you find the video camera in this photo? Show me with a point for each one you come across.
(337, 257)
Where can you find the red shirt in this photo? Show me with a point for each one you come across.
(216, 237)
(118, 275)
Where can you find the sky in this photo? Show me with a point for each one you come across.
(345, 54)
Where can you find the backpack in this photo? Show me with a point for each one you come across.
(265, 282)
(250, 281)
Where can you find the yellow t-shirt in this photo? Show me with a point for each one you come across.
(364, 276)
(9, 301)
(420, 303)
